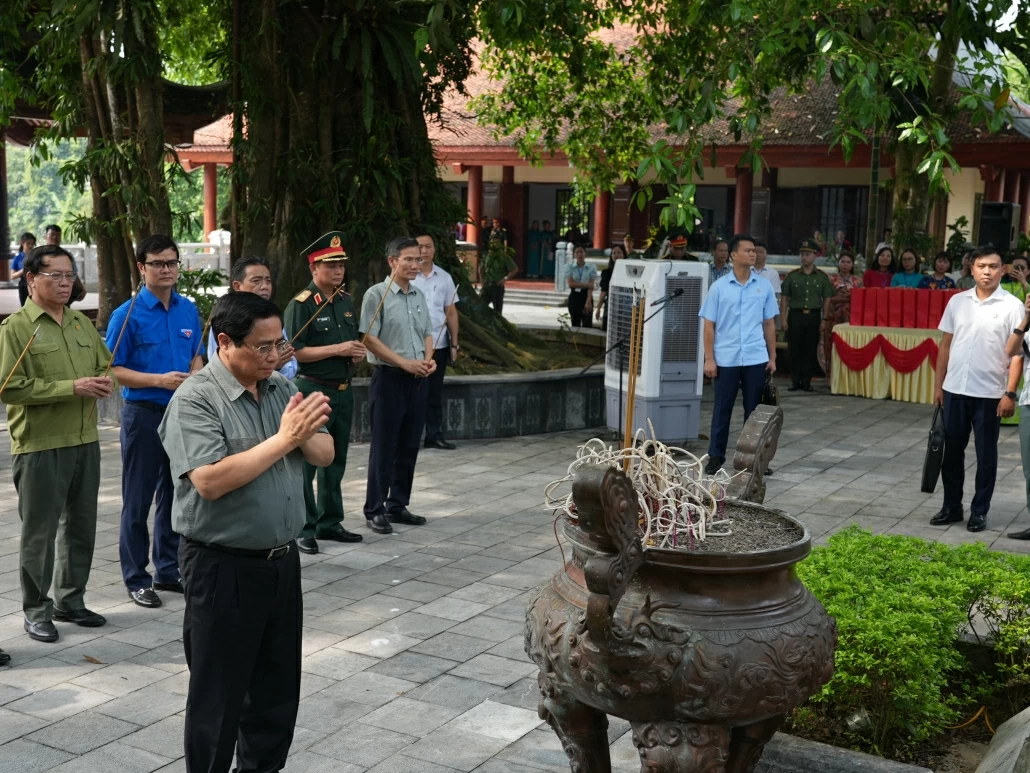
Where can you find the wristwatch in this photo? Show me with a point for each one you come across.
(1011, 395)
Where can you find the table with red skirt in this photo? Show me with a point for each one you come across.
(889, 348)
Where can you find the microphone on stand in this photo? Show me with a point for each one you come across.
(669, 297)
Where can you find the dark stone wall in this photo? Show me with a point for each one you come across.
(488, 406)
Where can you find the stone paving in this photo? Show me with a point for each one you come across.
(413, 658)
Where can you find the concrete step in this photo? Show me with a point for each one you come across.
(535, 297)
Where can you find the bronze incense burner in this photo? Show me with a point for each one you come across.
(705, 653)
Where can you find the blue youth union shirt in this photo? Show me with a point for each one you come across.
(738, 312)
(155, 340)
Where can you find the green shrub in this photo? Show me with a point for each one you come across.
(899, 603)
(197, 284)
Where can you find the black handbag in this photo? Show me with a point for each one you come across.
(934, 453)
(770, 393)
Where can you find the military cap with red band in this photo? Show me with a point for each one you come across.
(327, 247)
(678, 241)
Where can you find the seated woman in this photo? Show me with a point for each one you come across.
(965, 280)
(882, 270)
(939, 279)
(909, 275)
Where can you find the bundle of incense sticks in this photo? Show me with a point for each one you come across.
(636, 343)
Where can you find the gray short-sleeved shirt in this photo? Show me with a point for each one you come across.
(403, 323)
(212, 416)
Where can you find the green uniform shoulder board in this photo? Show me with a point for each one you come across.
(302, 296)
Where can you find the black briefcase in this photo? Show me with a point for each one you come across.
(934, 453)
(770, 392)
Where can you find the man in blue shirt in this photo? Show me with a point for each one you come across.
(158, 351)
(740, 342)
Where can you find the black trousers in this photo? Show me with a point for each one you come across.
(803, 343)
(242, 636)
(495, 297)
(962, 414)
(728, 382)
(396, 416)
(577, 300)
(434, 401)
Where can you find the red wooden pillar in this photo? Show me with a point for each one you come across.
(602, 206)
(993, 179)
(210, 199)
(1011, 193)
(475, 203)
(5, 228)
(742, 201)
(1024, 200)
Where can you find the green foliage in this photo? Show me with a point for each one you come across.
(958, 238)
(901, 604)
(198, 285)
(898, 612)
(37, 194)
(186, 194)
(649, 91)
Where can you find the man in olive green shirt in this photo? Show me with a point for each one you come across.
(51, 397)
(237, 434)
(327, 347)
(399, 336)
(804, 300)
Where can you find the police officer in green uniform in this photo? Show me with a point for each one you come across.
(326, 351)
(806, 294)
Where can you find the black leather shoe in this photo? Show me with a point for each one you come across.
(4, 658)
(1025, 534)
(977, 522)
(403, 516)
(714, 465)
(45, 631)
(171, 587)
(339, 535)
(441, 444)
(145, 597)
(379, 524)
(83, 617)
(768, 471)
(945, 517)
(794, 388)
(307, 545)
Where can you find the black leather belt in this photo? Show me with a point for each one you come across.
(340, 386)
(156, 407)
(271, 554)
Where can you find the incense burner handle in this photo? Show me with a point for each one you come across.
(608, 510)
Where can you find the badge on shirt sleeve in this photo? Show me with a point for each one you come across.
(186, 332)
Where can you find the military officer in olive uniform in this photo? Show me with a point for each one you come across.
(326, 351)
(806, 294)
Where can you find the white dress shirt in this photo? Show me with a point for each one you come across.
(440, 291)
(772, 276)
(978, 365)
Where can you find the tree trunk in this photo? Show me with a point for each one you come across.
(912, 198)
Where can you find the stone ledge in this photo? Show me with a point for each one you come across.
(503, 405)
(788, 754)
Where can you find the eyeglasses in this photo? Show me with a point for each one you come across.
(160, 264)
(266, 349)
(57, 276)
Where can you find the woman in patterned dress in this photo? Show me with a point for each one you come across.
(844, 281)
(939, 279)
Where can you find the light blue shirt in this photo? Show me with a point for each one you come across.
(289, 370)
(739, 312)
(156, 340)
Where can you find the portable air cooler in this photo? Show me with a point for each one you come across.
(671, 370)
